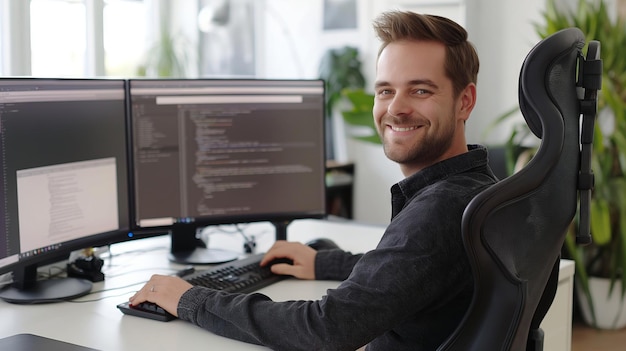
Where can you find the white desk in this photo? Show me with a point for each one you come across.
(99, 324)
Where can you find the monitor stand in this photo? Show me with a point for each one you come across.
(28, 290)
(187, 248)
(281, 229)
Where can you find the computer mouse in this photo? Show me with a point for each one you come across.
(279, 260)
(322, 244)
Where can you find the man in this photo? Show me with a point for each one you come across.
(412, 291)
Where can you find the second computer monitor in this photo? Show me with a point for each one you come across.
(216, 151)
(63, 181)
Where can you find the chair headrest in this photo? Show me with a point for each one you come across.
(535, 97)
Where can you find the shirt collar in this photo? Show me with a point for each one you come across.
(406, 188)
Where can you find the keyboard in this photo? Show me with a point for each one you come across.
(243, 276)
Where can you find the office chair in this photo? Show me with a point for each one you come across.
(514, 230)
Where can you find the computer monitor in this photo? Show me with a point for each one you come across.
(223, 151)
(64, 159)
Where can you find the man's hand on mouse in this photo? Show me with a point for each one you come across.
(303, 258)
(163, 290)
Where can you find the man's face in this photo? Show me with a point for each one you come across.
(416, 114)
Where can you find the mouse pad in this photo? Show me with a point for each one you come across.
(30, 342)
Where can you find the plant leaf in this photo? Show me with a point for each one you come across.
(601, 224)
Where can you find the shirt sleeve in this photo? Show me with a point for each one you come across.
(334, 264)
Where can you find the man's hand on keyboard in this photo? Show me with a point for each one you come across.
(163, 290)
(303, 258)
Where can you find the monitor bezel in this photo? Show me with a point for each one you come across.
(24, 264)
(280, 220)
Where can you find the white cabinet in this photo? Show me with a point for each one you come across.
(557, 324)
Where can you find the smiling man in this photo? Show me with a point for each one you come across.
(423, 98)
(412, 291)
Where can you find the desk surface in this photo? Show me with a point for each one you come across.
(94, 321)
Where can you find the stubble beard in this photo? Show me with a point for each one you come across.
(426, 151)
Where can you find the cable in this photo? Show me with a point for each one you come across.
(249, 243)
(6, 282)
(96, 300)
(124, 286)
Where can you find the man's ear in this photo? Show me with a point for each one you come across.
(466, 101)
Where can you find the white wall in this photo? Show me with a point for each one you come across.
(292, 39)
(503, 33)
(292, 42)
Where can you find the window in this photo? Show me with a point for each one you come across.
(73, 38)
(58, 39)
(125, 38)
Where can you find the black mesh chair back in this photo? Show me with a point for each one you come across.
(513, 231)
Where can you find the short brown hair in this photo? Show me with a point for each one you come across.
(461, 64)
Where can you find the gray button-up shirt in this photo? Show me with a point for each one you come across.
(409, 293)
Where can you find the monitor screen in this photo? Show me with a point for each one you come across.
(218, 151)
(64, 158)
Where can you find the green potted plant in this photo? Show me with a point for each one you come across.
(340, 69)
(359, 116)
(605, 257)
(167, 56)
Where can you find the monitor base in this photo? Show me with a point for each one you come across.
(46, 291)
(203, 256)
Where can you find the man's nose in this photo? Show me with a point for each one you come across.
(399, 106)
